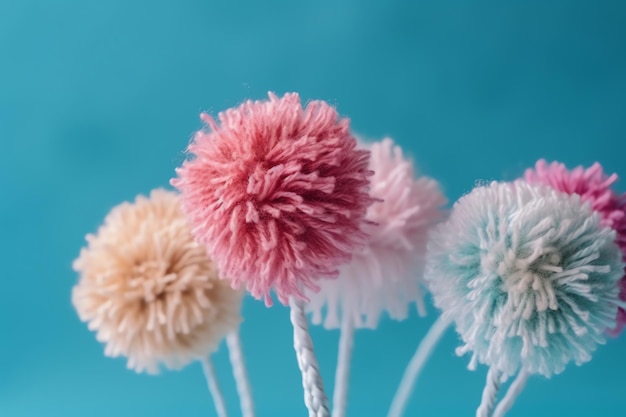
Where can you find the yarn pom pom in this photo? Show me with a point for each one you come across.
(595, 187)
(528, 274)
(149, 291)
(384, 275)
(277, 193)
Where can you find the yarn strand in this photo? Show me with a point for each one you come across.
(314, 396)
(415, 366)
(517, 386)
(490, 394)
(342, 373)
(233, 342)
(214, 388)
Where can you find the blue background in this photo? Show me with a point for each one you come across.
(99, 98)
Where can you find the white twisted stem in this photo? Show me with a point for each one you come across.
(233, 342)
(415, 366)
(512, 393)
(342, 373)
(214, 388)
(314, 396)
(490, 394)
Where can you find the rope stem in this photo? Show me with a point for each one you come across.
(415, 366)
(214, 388)
(314, 396)
(517, 386)
(490, 394)
(233, 341)
(342, 373)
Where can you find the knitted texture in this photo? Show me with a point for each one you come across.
(149, 291)
(277, 193)
(385, 275)
(595, 187)
(528, 274)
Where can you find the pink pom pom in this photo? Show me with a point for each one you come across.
(594, 187)
(277, 193)
(386, 274)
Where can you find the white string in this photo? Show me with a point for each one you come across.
(490, 394)
(415, 366)
(342, 373)
(512, 393)
(214, 389)
(233, 342)
(314, 396)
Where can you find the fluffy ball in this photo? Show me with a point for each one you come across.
(385, 274)
(528, 274)
(278, 194)
(594, 187)
(149, 290)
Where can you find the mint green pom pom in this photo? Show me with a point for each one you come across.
(529, 276)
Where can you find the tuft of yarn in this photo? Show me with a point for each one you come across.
(385, 274)
(594, 187)
(528, 274)
(278, 194)
(149, 290)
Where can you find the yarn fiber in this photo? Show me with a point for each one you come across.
(278, 194)
(149, 290)
(385, 274)
(529, 276)
(595, 187)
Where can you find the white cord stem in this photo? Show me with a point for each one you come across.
(214, 388)
(314, 396)
(415, 366)
(517, 386)
(342, 373)
(490, 394)
(233, 342)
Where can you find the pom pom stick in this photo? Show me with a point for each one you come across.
(596, 188)
(490, 394)
(150, 291)
(517, 386)
(342, 373)
(233, 341)
(214, 388)
(314, 395)
(425, 348)
(278, 195)
(384, 275)
(528, 274)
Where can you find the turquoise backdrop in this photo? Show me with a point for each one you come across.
(98, 99)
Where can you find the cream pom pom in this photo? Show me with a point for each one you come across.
(149, 290)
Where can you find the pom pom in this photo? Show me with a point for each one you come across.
(594, 187)
(277, 193)
(529, 276)
(385, 274)
(149, 290)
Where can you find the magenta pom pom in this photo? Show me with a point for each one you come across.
(278, 194)
(594, 187)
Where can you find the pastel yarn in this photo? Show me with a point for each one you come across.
(149, 291)
(529, 276)
(277, 193)
(596, 188)
(384, 276)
